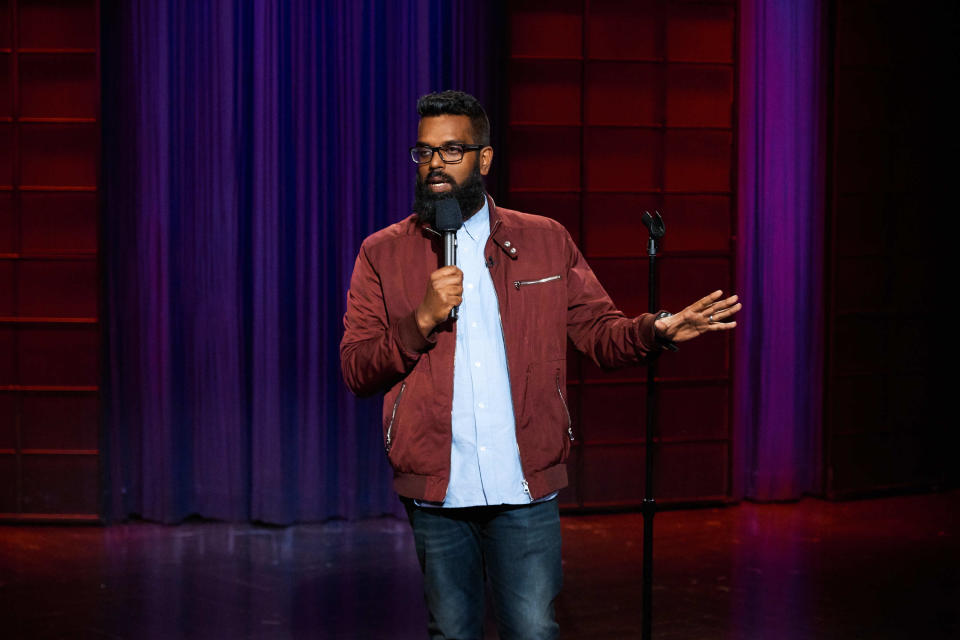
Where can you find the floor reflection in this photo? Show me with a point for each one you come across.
(885, 568)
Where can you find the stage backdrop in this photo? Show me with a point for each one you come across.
(249, 147)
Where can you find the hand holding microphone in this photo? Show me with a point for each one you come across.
(445, 288)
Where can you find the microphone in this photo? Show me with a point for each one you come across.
(449, 220)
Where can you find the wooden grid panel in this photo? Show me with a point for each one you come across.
(49, 316)
(617, 107)
(881, 431)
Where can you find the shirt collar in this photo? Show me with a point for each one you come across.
(478, 225)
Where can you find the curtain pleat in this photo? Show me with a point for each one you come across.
(779, 337)
(248, 148)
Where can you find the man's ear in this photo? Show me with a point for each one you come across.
(486, 159)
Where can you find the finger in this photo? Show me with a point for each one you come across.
(722, 326)
(449, 270)
(447, 282)
(708, 300)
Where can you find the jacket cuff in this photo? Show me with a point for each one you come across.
(647, 334)
(410, 338)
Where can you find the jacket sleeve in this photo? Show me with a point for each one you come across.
(376, 351)
(596, 327)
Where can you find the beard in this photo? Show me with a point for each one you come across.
(469, 195)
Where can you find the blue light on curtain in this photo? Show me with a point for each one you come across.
(248, 149)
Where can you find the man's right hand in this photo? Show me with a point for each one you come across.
(444, 292)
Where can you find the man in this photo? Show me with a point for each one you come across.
(475, 422)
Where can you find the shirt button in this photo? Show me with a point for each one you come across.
(473, 324)
(476, 364)
(483, 448)
(469, 285)
(480, 404)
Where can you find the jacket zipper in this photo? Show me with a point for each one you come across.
(523, 283)
(523, 475)
(393, 416)
(563, 401)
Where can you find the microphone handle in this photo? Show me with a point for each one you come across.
(450, 258)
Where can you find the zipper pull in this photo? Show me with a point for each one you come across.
(526, 488)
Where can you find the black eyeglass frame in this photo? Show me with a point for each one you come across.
(433, 150)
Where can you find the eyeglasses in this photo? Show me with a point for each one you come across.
(449, 153)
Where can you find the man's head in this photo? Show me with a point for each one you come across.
(452, 152)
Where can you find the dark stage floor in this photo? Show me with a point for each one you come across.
(884, 568)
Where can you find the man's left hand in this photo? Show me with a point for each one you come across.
(709, 313)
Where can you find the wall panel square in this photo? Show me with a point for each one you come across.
(614, 412)
(698, 160)
(623, 30)
(8, 223)
(57, 288)
(58, 85)
(59, 484)
(613, 474)
(685, 280)
(614, 225)
(6, 154)
(623, 93)
(59, 421)
(6, 86)
(58, 154)
(544, 158)
(708, 357)
(683, 470)
(862, 283)
(693, 411)
(6, 32)
(700, 32)
(58, 221)
(858, 403)
(8, 302)
(548, 28)
(697, 223)
(55, 355)
(58, 24)
(863, 227)
(8, 420)
(8, 483)
(699, 96)
(622, 159)
(8, 350)
(545, 92)
(860, 343)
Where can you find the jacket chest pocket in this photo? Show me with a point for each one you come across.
(519, 284)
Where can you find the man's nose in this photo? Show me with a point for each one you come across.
(435, 160)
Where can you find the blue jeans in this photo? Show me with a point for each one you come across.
(516, 546)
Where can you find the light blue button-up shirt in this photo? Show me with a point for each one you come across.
(484, 458)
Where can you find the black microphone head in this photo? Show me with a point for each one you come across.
(449, 217)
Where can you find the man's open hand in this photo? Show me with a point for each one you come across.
(444, 292)
(709, 313)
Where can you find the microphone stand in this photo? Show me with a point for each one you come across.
(654, 224)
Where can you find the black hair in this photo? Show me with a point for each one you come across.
(457, 103)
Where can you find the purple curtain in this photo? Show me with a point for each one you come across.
(249, 147)
(779, 342)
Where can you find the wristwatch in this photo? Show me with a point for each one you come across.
(662, 340)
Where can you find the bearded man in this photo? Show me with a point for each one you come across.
(475, 420)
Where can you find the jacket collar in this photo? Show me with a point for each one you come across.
(500, 232)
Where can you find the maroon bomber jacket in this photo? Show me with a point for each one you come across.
(546, 291)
